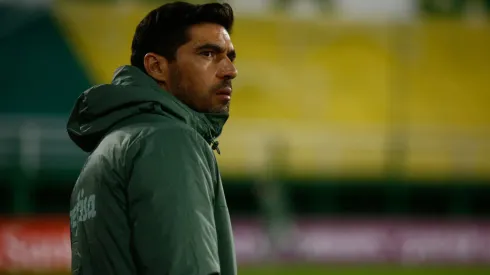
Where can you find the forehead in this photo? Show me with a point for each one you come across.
(209, 33)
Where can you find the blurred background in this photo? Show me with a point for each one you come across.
(358, 143)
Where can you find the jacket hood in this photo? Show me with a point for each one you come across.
(132, 92)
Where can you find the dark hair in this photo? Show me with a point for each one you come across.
(165, 28)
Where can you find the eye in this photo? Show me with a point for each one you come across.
(208, 54)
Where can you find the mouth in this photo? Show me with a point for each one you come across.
(224, 93)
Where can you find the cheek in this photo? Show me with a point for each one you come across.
(202, 80)
(197, 77)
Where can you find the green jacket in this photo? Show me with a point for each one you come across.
(149, 199)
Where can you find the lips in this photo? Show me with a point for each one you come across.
(224, 93)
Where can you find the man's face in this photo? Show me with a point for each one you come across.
(203, 69)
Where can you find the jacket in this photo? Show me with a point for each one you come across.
(149, 199)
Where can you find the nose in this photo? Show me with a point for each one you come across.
(228, 70)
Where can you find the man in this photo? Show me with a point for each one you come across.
(149, 199)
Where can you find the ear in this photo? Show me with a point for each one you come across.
(156, 66)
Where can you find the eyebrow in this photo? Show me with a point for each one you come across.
(217, 48)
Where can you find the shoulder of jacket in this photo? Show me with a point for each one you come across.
(169, 133)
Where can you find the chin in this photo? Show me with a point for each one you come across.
(221, 109)
(226, 110)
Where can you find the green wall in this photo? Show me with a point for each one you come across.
(39, 73)
(343, 197)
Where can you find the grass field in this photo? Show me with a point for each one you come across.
(348, 270)
(363, 270)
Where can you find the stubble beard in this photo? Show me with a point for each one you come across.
(185, 94)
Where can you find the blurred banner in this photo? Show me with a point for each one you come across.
(43, 243)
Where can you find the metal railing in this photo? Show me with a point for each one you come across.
(31, 144)
(38, 143)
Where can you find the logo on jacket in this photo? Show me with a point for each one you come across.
(83, 210)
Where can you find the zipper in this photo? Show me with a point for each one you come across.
(214, 146)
